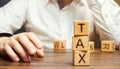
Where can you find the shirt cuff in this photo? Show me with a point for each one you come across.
(5, 34)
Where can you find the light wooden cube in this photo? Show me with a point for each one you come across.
(92, 46)
(119, 48)
(80, 43)
(81, 27)
(59, 44)
(81, 58)
(108, 46)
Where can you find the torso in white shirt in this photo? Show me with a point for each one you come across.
(50, 23)
(44, 18)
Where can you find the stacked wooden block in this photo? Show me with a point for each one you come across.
(80, 44)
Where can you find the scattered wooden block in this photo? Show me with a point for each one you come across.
(108, 46)
(92, 46)
(80, 43)
(81, 28)
(59, 44)
(81, 58)
(119, 47)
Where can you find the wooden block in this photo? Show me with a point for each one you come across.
(119, 47)
(81, 58)
(81, 27)
(60, 44)
(92, 46)
(80, 43)
(108, 46)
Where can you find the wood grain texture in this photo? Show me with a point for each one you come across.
(63, 60)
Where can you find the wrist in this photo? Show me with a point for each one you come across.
(3, 38)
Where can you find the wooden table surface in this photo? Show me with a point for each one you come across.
(63, 60)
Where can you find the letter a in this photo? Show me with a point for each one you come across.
(79, 43)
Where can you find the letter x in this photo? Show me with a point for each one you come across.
(82, 58)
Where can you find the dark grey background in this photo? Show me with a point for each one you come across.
(3, 2)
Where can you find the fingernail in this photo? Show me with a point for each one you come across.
(32, 51)
(41, 54)
(16, 59)
(27, 59)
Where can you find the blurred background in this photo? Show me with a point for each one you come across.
(3, 2)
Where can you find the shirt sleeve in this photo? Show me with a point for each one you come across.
(101, 28)
(12, 16)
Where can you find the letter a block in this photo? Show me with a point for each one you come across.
(81, 28)
(59, 44)
(108, 46)
(80, 43)
(92, 46)
(81, 58)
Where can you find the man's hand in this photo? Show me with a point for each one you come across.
(21, 46)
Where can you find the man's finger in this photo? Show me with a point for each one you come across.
(40, 52)
(9, 51)
(19, 50)
(35, 40)
(27, 44)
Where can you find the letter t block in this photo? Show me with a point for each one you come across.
(81, 28)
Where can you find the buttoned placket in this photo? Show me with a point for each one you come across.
(62, 21)
(62, 17)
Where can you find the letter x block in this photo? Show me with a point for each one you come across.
(81, 27)
(80, 43)
(92, 46)
(81, 58)
(59, 44)
(108, 46)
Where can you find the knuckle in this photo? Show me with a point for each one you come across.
(21, 36)
(30, 33)
(12, 42)
(6, 47)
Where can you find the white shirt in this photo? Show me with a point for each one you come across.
(44, 18)
(107, 19)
